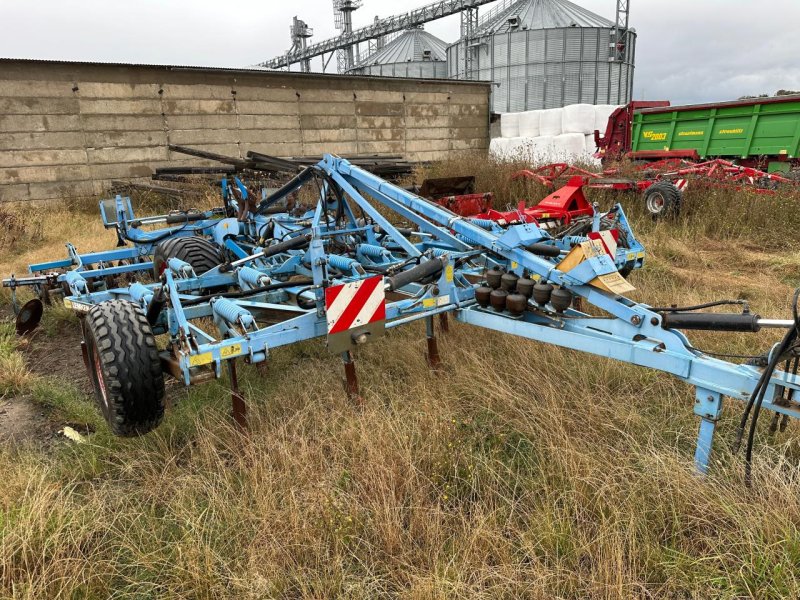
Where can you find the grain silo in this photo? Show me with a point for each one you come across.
(414, 53)
(546, 54)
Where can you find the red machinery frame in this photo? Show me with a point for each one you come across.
(714, 173)
(561, 207)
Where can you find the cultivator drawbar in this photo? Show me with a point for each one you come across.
(366, 257)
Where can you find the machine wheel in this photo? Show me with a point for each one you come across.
(663, 199)
(124, 367)
(197, 251)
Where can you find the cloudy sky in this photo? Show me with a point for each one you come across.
(688, 50)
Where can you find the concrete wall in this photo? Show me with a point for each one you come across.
(68, 129)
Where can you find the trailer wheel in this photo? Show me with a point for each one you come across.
(124, 367)
(197, 251)
(663, 199)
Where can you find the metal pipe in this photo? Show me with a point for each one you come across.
(776, 323)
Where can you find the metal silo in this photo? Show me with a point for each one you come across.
(414, 53)
(546, 54)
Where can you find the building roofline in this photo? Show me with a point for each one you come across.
(236, 70)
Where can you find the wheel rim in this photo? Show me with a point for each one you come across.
(655, 202)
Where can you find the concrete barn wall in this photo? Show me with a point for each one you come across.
(68, 129)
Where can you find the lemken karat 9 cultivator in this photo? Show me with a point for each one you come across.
(240, 281)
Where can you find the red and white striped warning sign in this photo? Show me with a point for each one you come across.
(608, 239)
(355, 304)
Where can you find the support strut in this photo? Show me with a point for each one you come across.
(708, 406)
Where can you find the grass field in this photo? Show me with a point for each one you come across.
(519, 471)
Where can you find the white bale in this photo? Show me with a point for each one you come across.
(592, 162)
(578, 118)
(591, 147)
(550, 122)
(509, 125)
(588, 157)
(541, 149)
(601, 114)
(519, 148)
(529, 123)
(498, 148)
(569, 147)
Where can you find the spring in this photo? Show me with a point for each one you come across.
(484, 223)
(253, 277)
(574, 240)
(373, 251)
(140, 294)
(232, 312)
(342, 263)
(464, 238)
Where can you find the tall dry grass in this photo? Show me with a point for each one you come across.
(519, 471)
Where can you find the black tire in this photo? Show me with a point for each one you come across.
(663, 199)
(197, 251)
(124, 367)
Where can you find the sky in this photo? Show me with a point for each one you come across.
(688, 51)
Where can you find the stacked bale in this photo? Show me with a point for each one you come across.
(552, 135)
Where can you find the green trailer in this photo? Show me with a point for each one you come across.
(761, 132)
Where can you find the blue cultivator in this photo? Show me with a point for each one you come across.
(221, 287)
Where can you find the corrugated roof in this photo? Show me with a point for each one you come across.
(541, 14)
(408, 47)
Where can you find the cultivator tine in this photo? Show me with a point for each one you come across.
(239, 408)
(432, 354)
(350, 378)
(444, 324)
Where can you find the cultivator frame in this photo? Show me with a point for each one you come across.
(281, 275)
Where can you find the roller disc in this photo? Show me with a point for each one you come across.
(29, 316)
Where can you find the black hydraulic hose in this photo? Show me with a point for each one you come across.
(748, 408)
(699, 306)
(244, 293)
(290, 232)
(748, 459)
(759, 392)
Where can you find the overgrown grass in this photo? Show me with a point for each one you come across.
(14, 374)
(520, 471)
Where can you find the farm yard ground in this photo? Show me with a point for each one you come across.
(518, 471)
